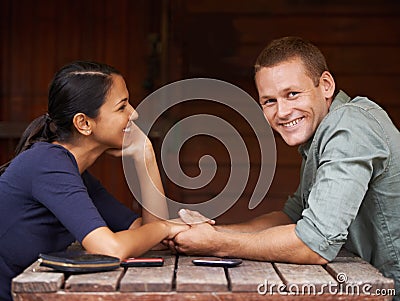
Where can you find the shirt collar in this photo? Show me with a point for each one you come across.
(340, 99)
(305, 147)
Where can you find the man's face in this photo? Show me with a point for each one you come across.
(291, 103)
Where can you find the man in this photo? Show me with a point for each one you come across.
(349, 192)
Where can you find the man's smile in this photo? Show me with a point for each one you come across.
(292, 123)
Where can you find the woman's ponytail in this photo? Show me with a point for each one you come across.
(40, 129)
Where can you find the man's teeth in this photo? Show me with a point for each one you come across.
(292, 123)
(126, 130)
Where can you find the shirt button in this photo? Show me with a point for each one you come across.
(323, 246)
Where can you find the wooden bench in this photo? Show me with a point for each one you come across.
(347, 277)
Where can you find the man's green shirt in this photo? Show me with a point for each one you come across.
(349, 192)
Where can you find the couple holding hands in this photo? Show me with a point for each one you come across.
(349, 192)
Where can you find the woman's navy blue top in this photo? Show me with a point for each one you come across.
(46, 204)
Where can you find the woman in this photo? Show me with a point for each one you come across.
(48, 199)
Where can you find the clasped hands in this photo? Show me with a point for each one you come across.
(198, 239)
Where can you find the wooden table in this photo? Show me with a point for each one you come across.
(346, 278)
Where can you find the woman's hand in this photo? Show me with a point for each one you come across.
(191, 217)
(136, 144)
(175, 226)
(198, 240)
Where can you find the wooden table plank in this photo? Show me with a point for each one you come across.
(37, 279)
(202, 283)
(186, 296)
(158, 279)
(191, 278)
(304, 278)
(358, 276)
(94, 282)
(253, 275)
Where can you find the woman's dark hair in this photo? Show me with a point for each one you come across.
(79, 87)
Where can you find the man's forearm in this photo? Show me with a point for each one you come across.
(260, 223)
(278, 243)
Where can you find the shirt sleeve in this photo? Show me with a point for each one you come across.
(293, 206)
(117, 216)
(351, 150)
(59, 186)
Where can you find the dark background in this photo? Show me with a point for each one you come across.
(158, 41)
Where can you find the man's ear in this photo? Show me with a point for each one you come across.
(82, 124)
(327, 84)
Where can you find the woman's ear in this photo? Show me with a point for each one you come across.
(327, 84)
(82, 124)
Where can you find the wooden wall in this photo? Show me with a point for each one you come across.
(218, 39)
(221, 39)
(38, 37)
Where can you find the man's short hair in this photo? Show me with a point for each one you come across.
(288, 48)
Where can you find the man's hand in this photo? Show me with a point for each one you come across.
(198, 240)
(175, 226)
(191, 218)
